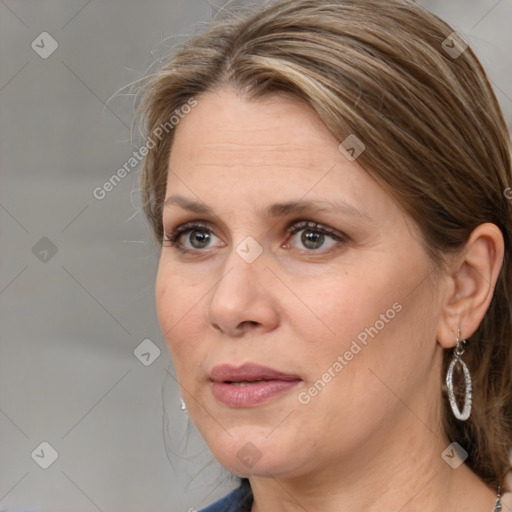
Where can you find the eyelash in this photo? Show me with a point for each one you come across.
(178, 232)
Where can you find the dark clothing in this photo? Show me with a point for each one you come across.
(239, 500)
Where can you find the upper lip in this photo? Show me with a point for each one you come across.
(248, 372)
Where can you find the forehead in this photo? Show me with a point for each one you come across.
(225, 129)
(237, 153)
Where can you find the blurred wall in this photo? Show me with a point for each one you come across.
(84, 370)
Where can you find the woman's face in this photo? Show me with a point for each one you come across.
(299, 315)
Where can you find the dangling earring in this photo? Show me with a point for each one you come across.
(498, 505)
(183, 405)
(464, 415)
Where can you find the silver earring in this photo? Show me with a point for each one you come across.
(183, 405)
(468, 395)
(498, 505)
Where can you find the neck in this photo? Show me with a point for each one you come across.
(407, 473)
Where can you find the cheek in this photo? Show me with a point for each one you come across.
(178, 306)
(370, 320)
(339, 308)
(166, 303)
(375, 346)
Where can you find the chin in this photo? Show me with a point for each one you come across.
(247, 452)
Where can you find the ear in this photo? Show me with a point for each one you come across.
(471, 281)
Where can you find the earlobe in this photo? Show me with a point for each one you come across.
(470, 288)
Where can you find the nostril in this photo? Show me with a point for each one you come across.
(249, 322)
(216, 326)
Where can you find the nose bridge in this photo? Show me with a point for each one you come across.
(241, 295)
(243, 270)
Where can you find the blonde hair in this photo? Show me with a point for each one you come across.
(433, 132)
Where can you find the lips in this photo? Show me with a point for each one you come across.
(249, 385)
(248, 372)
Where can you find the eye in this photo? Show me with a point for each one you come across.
(314, 236)
(195, 237)
(190, 237)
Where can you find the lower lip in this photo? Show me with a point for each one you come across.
(251, 394)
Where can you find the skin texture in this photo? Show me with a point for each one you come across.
(371, 439)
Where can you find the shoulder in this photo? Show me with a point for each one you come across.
(239, 500)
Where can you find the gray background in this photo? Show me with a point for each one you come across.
(70, 321)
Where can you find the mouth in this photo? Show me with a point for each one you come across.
(249, 385)
(244, 382)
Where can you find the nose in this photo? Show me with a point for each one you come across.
(244, 300)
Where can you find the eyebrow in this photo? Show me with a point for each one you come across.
(276, 209)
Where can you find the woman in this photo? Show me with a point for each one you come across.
(328, 180)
